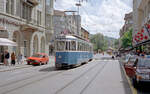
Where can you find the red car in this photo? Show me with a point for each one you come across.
(38, 59)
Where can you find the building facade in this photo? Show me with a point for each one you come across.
(126, 27)
(141, 15)
(84, 34)
(24, 22)
(66, 24)
(128, 23)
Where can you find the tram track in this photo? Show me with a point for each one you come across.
(98, 72)
(9, 83)
(84, 73)
(45, 76)
(30, 82)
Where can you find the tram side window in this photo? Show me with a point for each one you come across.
(73, 45)
(67, 45)
(79, 46)
(60, 45)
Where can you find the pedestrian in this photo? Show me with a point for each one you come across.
(2, 57)
(20, 59)
(13, 58)
(6, 58)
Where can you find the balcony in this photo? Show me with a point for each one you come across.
(29, 24)
(31, 2)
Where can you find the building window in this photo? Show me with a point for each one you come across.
(12, 7)
(26, 11)
(7, 6)
(39, 17)
(48, 2)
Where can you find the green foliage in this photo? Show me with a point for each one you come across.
(127, 39)
(98, 42)
(116, 43)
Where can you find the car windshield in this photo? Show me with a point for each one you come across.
(37, 55)
(143, 62)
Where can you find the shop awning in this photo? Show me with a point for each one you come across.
(7, 42)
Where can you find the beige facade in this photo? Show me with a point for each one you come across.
(127, 26)
(23, 21)
(66, 24)
(141, 14)
(128, 23)
(84, 34)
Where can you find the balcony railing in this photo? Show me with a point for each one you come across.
(32, 21)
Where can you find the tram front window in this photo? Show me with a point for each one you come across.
(60, 45)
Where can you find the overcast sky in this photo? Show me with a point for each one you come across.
(104, 16)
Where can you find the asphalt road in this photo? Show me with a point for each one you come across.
(100, 76)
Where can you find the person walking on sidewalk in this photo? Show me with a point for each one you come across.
(2, 58)
(20, 58)
(6, 58)
(13, 59)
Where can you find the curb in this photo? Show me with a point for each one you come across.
(15, 68)
(134, 91)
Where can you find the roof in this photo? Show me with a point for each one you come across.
(84, 30)
(66, 37)
(72, 37)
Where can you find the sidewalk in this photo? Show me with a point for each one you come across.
(4, 68)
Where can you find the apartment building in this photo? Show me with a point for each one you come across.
(128, 23)
(24, 22)
(66, 24)
(84, 34)
(127, 26)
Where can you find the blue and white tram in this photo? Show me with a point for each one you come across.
(72, 51)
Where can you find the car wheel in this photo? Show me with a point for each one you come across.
(40, 63)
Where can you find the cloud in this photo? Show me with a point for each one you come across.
(104, 16)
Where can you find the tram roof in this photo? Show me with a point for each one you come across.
(66, 37)
(72, 37)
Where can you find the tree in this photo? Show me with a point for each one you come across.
(98, 42)
(127, 39)
(116, 43)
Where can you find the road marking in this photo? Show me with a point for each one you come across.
(134, 91)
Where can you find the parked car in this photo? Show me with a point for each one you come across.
(38, 59)
(139, 71)
(130, 60)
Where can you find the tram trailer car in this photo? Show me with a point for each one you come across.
(72, 51)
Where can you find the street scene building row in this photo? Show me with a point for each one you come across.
(139, 21)
(34, 24)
